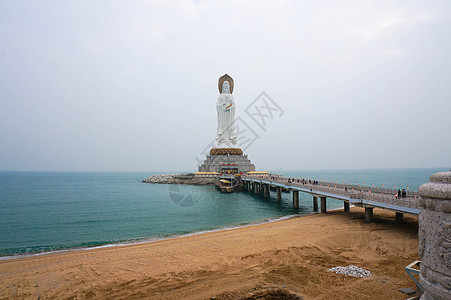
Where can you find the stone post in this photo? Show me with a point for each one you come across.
(266, 190)
(296, 199)
(399, 217)
(323, 205)
(368, 214)
(346, 206)
(435, 236)
(315, 203)
(279, 194)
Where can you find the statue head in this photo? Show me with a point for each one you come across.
(221, 82)
(226, 87)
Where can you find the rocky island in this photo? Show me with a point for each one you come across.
(190, 178)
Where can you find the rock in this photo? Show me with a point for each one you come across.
(351, 271)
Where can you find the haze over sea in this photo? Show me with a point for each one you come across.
(52, 211)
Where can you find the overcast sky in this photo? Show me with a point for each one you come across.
(132, 85)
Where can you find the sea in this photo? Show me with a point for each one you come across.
(42, 212)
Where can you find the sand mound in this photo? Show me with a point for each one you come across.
(260, 293)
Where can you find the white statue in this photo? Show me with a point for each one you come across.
(226, 137)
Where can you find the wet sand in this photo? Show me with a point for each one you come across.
(286, 258)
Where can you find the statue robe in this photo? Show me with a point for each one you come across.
(226, 137)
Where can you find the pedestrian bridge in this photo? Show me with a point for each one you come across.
(367, 197)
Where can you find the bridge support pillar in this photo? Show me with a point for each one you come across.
(346, 206)
(399, 217)
(368, 214)
(279, 194)
(266, 190)
(323, 205)
(296, 199)
(315, 203)
(256, 188)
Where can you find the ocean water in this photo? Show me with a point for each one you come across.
(54, 211)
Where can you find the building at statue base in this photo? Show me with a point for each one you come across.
(227, 161)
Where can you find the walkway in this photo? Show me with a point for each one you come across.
(367, 197)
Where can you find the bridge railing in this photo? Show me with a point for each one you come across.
(380, 190)
(353, 191)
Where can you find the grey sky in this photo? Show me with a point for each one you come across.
(132, 85)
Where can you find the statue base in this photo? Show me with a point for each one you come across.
(226, 151)
(227, 161)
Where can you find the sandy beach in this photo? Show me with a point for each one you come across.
(286, 258)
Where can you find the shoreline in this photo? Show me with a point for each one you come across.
(160, 238)
(292, 256)
(154, 239)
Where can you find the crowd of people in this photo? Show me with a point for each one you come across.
(303, 181)
(401, 194)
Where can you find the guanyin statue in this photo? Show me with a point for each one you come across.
(225, 157)
(226, 136)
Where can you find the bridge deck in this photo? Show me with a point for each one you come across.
(357, 195)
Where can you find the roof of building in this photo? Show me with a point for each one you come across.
(258, 172)
(206, 173)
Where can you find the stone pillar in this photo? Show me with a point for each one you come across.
(255, 187)
(435, 236)
(346, 206)
(279, 194)
(399, 217)
(323, 205)
(368, 214)
(296, 199)
(315, 203)
(266, 190)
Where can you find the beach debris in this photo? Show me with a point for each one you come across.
(407, 291)
(351, 271)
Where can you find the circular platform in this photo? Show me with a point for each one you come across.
(226, 151)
